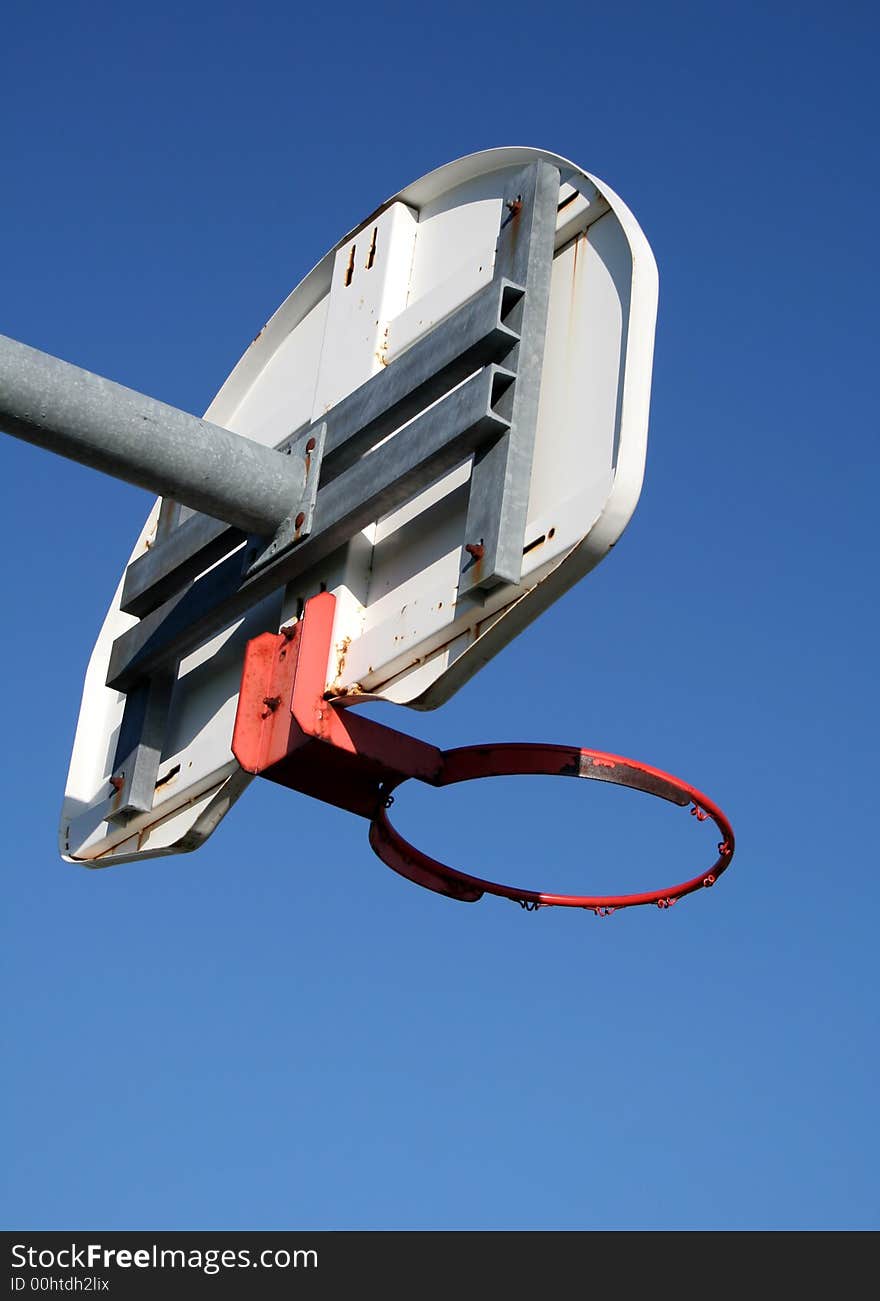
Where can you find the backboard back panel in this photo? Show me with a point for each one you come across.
(408, 628)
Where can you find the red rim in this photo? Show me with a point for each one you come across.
(473, 762)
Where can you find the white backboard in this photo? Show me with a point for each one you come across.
(404, 631)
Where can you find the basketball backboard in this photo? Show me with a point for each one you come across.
(466, 379)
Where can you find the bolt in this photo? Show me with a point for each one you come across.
(311, 445)
(475, 549)
(299, 521)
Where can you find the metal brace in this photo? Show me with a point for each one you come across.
(468, 387)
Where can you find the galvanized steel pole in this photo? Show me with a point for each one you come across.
(133, 437)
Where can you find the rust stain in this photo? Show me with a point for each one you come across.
(168, 778)
(474, 567)
(574, 271)
(117, 783)
(151, 540)
(345, 692)
(512, 220)
(341, 652)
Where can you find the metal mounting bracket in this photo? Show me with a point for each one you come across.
(306, 450)
(467, 388)
(288, 731)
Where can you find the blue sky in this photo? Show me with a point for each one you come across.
(278, 1032)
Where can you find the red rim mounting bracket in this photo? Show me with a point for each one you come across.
(287, 731)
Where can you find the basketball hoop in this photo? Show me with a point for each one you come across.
(506, 760)
(289, 732)
(443, 428)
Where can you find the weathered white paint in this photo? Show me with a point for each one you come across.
(402, 634)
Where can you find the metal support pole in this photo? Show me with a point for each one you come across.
(133, 437)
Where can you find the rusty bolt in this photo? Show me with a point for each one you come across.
(514, 205)
(299, 521)
(311, 445)
(475, 549)
(117, 782)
